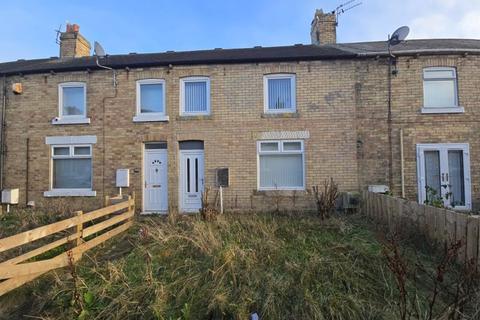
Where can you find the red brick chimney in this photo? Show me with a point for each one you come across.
(324, 28)
(72, 43)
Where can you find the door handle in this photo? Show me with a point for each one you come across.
(446, 176)
(145, 184)
(443, 177)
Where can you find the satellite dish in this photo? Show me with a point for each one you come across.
(98, 50)
(399, 35)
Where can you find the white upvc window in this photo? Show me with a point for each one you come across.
(281, 165)
(195, 96)
(440, 90)
(150, 100)
(279, 93)
(72, 103)
(71, 171)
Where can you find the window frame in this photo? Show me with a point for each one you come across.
(183, 81)
(71, 155)
(281, 151)
(71, 119)
(292, 77)
(150, 116)
(456, 108)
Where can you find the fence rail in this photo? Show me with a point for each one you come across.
(20, 269)
(438, 224)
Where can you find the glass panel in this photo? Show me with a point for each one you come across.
(196, 174)
(280, 171)
(432, 175)
(191, 145)
(82, 151)
(269, 146)
(279, 94)
(61, 151)
(456, 178)
(439, 93)
(292, 146)
(441, 73)
(188, 175)
(72, 173)
(195, 96)
(73, 101)
(159, 145)
(151, 98)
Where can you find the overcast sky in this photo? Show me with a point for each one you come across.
(124, 26)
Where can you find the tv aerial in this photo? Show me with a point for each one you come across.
(344, 7)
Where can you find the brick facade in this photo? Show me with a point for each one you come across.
(325, 109)
(342, 104)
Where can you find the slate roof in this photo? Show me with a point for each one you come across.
(245, 55)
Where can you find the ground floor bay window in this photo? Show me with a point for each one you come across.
(281, 165)
(70, 170)
(444, 174)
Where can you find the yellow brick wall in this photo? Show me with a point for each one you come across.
(341, 103)
(325, 106)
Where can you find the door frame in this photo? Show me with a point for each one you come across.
(144, 151)
(182, 173)
(465, 147)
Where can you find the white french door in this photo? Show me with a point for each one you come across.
(444, 174)
(191, 180)
(155, 188)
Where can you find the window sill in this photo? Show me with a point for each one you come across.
(283, 114)
(443, 110)
(60, 121)
(266, 191)
(70, 193)
(194, 117)
(153, 118)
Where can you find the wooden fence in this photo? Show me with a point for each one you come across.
(440, 225)
(24, 268)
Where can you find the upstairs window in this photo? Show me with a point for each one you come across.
(195, 96)
(440, 92)
(72, 97)
(279, 93)
(150, 100)
(281, 165)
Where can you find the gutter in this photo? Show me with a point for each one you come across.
(422, 51)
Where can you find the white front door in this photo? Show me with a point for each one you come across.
(191, 180)
(155, 192)
(444, 174)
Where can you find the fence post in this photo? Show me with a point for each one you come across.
(133, 204)
(79, 228)
(472, 239)
(461, 235)
(107, 200)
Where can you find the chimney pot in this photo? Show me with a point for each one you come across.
(72, 43)
(73, 27)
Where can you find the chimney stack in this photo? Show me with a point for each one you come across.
(324, 28)
(73, 44)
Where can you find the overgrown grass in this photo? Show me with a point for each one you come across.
(280, 266)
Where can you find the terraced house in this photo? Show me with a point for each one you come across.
(280, 119)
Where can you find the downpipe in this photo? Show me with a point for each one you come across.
(2, 132)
